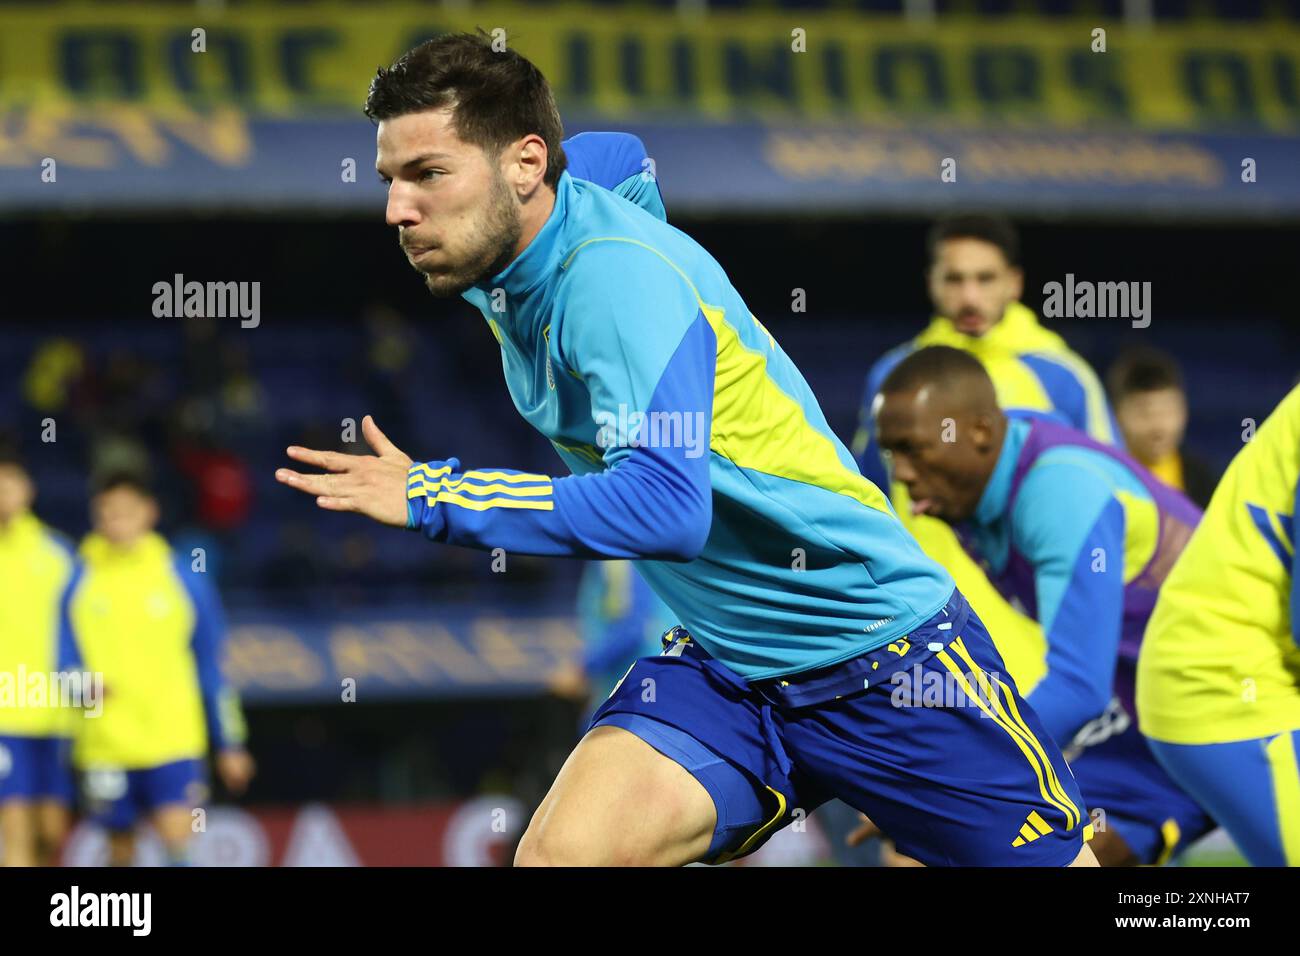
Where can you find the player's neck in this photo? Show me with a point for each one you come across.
(533, 217)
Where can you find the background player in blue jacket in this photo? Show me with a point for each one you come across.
(698, 450)
(1081, 536)
(975, 281)
(620, 618)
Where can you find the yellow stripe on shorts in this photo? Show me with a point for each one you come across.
(1047, 786)
(1012, 714)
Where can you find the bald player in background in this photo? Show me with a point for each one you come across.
(975, 282)
(1081, 536)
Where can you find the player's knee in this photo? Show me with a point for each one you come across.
(560, 845)
(535, 851)
(595, 839)
(554, 850)
(640, 809)
(544, 853)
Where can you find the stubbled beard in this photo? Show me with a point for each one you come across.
(490, 247)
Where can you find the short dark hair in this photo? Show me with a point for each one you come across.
(1142, 369)
(121, 478)
(995, 230)
(942, 365)
(497, 97)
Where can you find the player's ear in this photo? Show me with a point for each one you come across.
(1017, 280)
(529, 155)
(931, 279)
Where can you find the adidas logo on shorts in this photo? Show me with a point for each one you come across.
(1033, 827)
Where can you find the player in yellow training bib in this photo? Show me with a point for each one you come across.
(150, 622)
(1218, 681)
(36, 789)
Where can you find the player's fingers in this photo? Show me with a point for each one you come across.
(336, 504)
(379, 442)
(329, 460)
(312, 484)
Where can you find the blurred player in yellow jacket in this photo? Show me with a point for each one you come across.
(35, 778)
(1218, 680)
(150, 623)
(975, 282)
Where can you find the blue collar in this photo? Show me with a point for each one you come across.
(993, 503)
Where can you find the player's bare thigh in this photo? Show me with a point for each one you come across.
(619, 802)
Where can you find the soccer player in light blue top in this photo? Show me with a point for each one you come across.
(697, 450)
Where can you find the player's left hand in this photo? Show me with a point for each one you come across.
(372, 485)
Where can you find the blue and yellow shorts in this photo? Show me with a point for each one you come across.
(928, 736)
(116, 798)
(35, 768)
